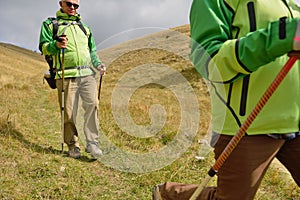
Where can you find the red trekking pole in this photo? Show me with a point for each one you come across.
(242, 130)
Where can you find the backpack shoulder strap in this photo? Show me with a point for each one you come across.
(55, 27)
(81, 27)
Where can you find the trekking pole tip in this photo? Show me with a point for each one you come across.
(212, 172)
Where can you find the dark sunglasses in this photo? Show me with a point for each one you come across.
(69, 4)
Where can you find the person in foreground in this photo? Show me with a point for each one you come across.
(239, 46)
(75, 40)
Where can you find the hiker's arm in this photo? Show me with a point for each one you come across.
(210, 23)
(47, 45)
(93, 51)
(213, 38)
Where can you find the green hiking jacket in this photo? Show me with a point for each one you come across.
(240, 46)
(80, 54)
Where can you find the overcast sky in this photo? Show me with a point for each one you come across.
(21, 19)
(112, 21)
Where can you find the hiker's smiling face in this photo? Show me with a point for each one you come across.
(69, 6)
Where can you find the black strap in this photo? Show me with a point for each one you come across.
(81, 27)
(55, 27)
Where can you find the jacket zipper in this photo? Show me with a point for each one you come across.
(286, 4)
(245, 87)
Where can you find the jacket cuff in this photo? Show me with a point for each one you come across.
(52, 47)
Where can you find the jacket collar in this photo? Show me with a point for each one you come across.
(64, 16)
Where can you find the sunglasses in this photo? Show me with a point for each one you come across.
(69, 4)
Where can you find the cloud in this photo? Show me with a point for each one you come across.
(115, 16)
(22, 19)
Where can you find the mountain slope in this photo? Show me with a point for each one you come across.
(31, 164)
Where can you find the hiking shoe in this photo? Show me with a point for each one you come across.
(94, 150)
(74, 153)
(156, 192)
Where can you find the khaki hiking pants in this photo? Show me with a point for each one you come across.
(241, 174)
(86, 89)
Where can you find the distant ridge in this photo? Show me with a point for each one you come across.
(22, 61)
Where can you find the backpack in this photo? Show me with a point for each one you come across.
(49, 75)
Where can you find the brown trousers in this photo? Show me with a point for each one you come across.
(241, 174)
(86, 89)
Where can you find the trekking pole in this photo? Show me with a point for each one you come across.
(63, 100)
(63, 88)
(242, 130)
(100, 84)
(63, 94)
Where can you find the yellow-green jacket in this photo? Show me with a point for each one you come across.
(80, 54)
(240, 46)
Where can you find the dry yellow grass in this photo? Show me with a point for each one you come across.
(31, 165)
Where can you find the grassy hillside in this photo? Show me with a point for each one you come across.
(32, 165)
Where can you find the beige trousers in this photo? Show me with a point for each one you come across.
(86, 89)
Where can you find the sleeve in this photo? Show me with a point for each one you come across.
(219, 56)
(93, 51)
(47, 45)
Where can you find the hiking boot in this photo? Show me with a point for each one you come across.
(94, 150)
(156, 192)
(74, 153)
